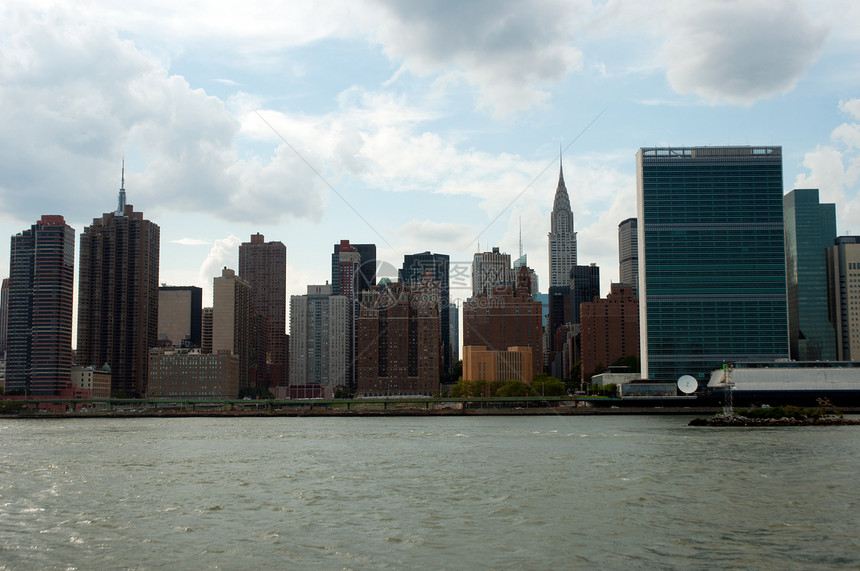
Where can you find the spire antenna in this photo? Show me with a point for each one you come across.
(120, 204)
(521, 236)
(560, 170)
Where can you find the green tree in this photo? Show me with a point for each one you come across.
(465, 389)
(513, 388)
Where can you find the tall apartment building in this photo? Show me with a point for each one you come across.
(628, 254)
(398, 339)
(264, 266)
(454, 332)
(4, 315)
(609, 329)
(562, 238)
(41, 275)
(415, 270)
(508, 318)
(491, 271)
(843, 284)
(366, 270)
(712, 282)
(118, 296)
(320, 339)
(584, 287)
(180, 314)
(206, 331)
(810, 228)
(231, 320)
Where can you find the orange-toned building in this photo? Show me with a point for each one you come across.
(489, 365)
(609, 328)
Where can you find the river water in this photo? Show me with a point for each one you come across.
(427, 492)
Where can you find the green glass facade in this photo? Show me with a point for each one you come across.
(810, 228)
(712, 282)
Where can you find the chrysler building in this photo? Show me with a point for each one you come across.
(562, 238)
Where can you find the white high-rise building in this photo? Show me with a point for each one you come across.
(562, 238)
(319, 338)
(490, 271)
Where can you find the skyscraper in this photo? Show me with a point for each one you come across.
(628, 254)
(712, 258)
(843, 282)
(264, 266)
(319, 339)
(41, 275)
(491, 271)
(398, 338)
(810, 228)
(562, 238)
(508, 318)
(231, 320)
(584, 287)
(366, 271)
(118, 296)
(180, 314)
(4, 315)
(415, 270)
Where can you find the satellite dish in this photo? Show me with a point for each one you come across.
(687, 384)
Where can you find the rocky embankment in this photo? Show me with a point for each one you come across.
(739, 420)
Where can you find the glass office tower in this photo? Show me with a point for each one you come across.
(810, 228)
(712, 282)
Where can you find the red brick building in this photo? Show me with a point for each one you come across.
(506, 318)
(398, 345)
(264, 266)
(609, 329)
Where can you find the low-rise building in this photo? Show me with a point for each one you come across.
(480, 363)
(181, 373)
(97, 381)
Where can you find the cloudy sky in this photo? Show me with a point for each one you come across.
(413, 125)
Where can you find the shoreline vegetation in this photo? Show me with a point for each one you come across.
(824, 415)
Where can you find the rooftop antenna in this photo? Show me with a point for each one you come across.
(120, 205)
(521, 237)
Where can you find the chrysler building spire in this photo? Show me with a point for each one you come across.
(562, 238)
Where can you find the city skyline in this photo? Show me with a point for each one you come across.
(424, 137)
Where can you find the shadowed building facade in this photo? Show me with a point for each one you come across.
(232, 320)
(628, 254)
(843, 283)
(264, 266)
(712, 284)
(810, 229)
(118, 296)
(609, 329)
(41, 270)
(414, 270)
(180, 315)
(399, 341)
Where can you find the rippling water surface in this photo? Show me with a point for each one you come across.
(431, 492)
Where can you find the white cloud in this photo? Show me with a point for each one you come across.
(835, 170)
(739, 51)
(190, 242)
(224, 253)
(510, 50)
(78, 98)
